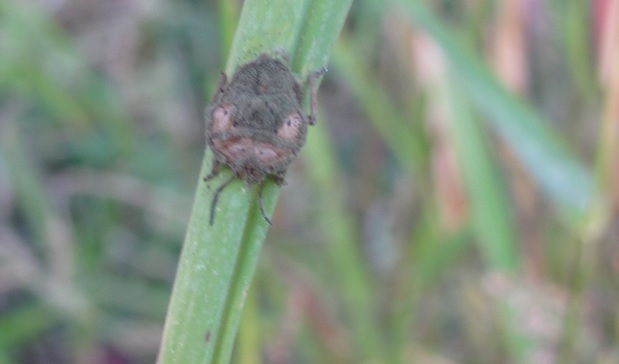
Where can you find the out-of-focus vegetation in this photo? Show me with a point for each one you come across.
(456, 203)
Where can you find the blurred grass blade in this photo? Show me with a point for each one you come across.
(342, 235)
(21, 324)
(407, 145)
(51, 71)
(487, 196)
(29, 188)
(218, 262)
(489, 207)
(560, 175)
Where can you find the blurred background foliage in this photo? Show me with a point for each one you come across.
(485, 220)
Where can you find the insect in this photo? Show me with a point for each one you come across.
(255, 123)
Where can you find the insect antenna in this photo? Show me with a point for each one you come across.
(216, 197)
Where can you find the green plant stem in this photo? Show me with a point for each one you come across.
(218, 262)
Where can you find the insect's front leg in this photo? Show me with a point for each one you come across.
(223, 81)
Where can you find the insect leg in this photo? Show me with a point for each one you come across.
(260, 205)
(214, 170)
(216, 197)
(223, 80)
(221, 87)
(313, 92)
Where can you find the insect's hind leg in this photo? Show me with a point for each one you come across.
(313, 92)
(216, 197)
(261, 205)
(214, 170)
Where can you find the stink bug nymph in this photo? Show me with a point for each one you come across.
(255, 124)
